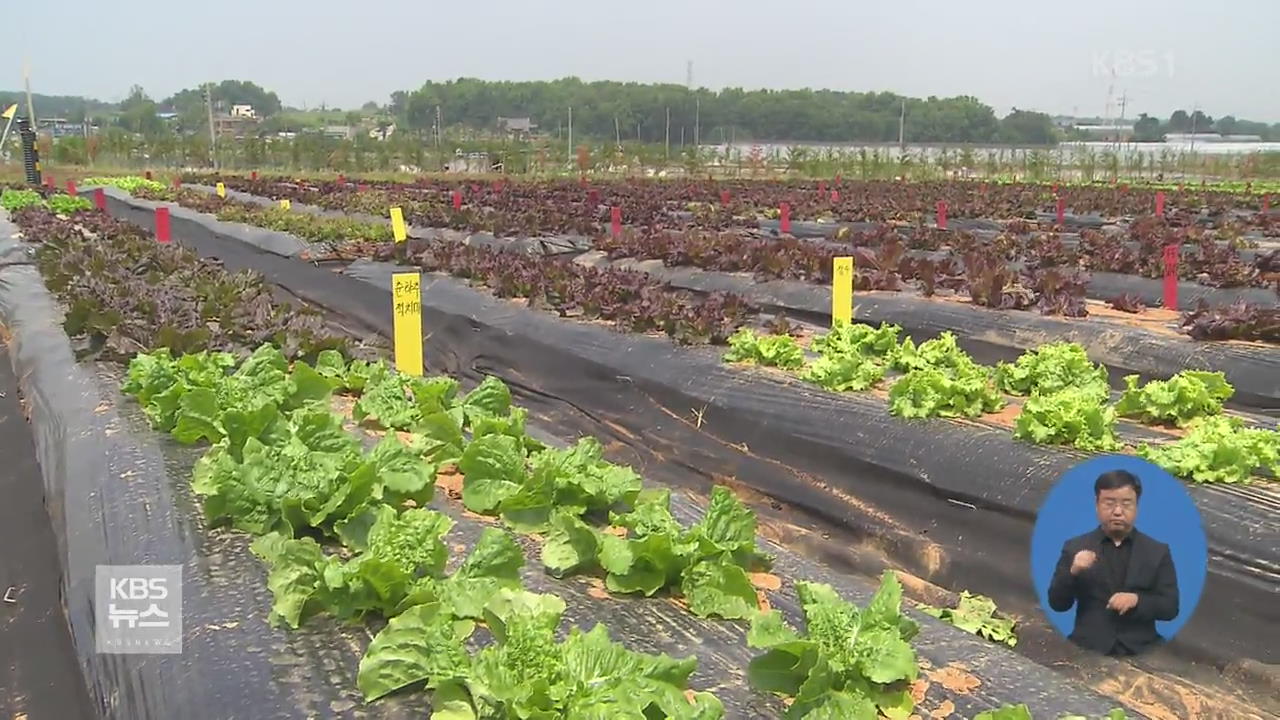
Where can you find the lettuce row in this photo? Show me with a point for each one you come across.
(400, 563)
(282, 466)
(1067, 395)
(1218, 449)
(527, 672)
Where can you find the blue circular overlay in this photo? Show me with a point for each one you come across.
(1165, 512)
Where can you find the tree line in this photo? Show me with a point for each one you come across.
(656, 113)
(1151, 129)
(641, 113)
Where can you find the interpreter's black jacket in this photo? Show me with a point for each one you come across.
(1150, 575)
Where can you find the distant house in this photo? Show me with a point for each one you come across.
(382, 132)
(517, 126)
(470, 163)
(243, 111)
(339, 132)
(59, 127)
(234, 126)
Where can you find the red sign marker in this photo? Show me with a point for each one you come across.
(342, 179)
(582, 180)
(839, 178)
(177, 182)
(1055, 188)
(724, 197)
(162, 224)
(475, 189)
(593, 196)
(1266, 203)
(497, 186)
(1171, 277)
(1160, 203)
(100, 199)
(942, 215)
(253, 175)
(615, 220)
(835, 196)
(457, 200)
(361, 187)
(822, 186)
(1062, 210)
(147, 174)
(784, 217)
(48, 181)
(71, 188)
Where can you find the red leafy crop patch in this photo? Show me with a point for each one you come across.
(1237, 321)
(127, 293)
(633, 301)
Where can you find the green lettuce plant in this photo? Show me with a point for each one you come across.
(1189, 395)
(849, 662)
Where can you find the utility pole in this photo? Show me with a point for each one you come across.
(688, 74)
(697, 121)
(26, 79)
(617, 132)
(1195, 110)
(570, 133)
(213, 136)
(667, 136)
(902, 126)
(439, 128)
(1124, 103)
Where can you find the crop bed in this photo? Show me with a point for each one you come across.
(762, 433)
(566, 206)
(333, 465)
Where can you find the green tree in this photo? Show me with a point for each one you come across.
(138, 114)
(1025, 127)
(1147, 129)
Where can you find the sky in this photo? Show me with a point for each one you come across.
(1060, 58)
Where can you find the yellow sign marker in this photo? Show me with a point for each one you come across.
(285, 204)
(406, 304)
(841, 290)
(397, 224)
(222, 190)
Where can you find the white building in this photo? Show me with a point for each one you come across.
(244, 111)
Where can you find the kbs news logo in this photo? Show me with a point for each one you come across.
(138, 609)
(1132, 63)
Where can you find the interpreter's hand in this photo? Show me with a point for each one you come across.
(1082, 561)
(1123, 602)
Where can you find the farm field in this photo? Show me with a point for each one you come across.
(651, 420)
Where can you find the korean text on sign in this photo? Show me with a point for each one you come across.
(406, 305)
